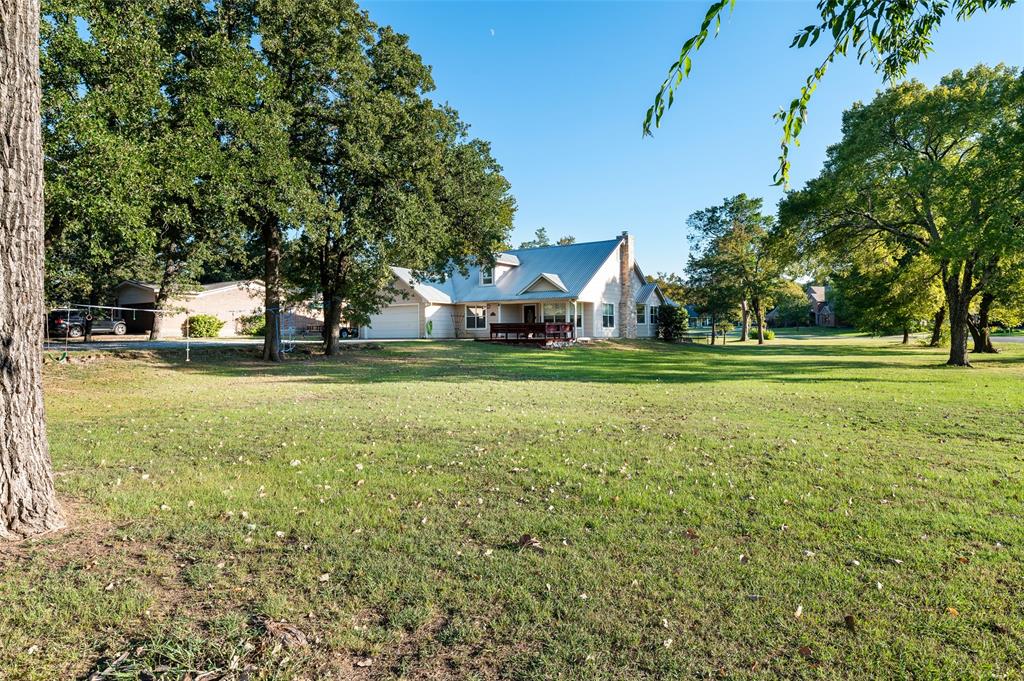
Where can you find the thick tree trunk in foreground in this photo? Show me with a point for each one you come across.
(272, 294)
(745, 329)
(906, 336)
(28, 504)
(982, 331)
(940, 317)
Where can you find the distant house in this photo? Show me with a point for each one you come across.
(229, 301)
(597, 286)
(820, 312)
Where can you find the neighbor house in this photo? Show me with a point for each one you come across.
(821, 312)
(597, 286)
(229, 301)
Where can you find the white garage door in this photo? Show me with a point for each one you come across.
(396, 321)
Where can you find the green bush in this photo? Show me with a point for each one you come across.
(252, 325)
(672, 323)
(203, 326)
(769, 334)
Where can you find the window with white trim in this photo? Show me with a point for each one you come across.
(641, 314)
(579, 318)
(554, 313)
(476, 317)
(653, 314)
(486, 276)
(608, 318)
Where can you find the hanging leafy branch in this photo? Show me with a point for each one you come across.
(891, 33)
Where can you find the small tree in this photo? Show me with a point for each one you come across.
(672, 323)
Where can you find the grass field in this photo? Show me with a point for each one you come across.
(832, 507)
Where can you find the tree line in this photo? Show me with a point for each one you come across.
(915, 222)
(290, 142)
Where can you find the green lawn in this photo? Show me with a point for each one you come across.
(703, 512)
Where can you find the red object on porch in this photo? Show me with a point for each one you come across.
(537, 333)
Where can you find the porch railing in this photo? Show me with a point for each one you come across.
(540, 332)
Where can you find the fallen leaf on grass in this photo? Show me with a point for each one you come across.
(953, 612)
(529, 542)
(365, 662)
(288, 634)
(799, 612)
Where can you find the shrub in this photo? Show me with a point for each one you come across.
(672, 322)
(203, 326)
(252, 325)
(769, 334)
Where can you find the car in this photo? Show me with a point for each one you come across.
(72, 323)
(349, 332)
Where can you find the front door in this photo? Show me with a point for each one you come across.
(529, 314)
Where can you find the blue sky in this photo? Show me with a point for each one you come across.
(561, 88)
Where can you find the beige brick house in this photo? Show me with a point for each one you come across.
(229, 301)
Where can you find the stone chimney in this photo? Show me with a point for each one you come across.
(627, 308)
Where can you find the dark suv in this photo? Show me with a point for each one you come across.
(71, 323)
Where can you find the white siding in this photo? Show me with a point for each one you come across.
(647, 330)
(603, 288)
(443, 318)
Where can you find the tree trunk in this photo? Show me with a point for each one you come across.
(28, 504)
(759, 318)
(958, 302)
(272, 294)
(160, 301)
(983, 331)
(745, 328)
(332, 325)
(714, 329)
(906, 336)
(940, 317)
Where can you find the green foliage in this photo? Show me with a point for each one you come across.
(926, 175)
(791, 305)
(671, 284)
(429, 327)
(883, 293)
(735, 257)
(890, 33)
(566, 240)
(252, 325)
(769, 334)
(540, 238)
(203, 326)
(672, 322)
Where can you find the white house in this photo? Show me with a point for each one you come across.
(597, 286)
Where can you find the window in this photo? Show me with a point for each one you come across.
(554, 313)
(654, 314)
(579, 318)
(608, 319)
(487, 276)
(641, 314)
(476, 318)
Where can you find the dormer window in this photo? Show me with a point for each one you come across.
(487, 276)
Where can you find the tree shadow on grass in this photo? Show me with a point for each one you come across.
(619, 362)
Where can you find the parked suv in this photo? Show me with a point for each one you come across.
(71, 323)
(349, 332)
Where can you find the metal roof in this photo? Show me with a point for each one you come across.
(570, 267)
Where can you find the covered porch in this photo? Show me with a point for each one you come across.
(539, 322)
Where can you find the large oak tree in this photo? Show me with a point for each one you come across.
(28, 504)
(936, 170)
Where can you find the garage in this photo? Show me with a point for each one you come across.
(395, 321)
